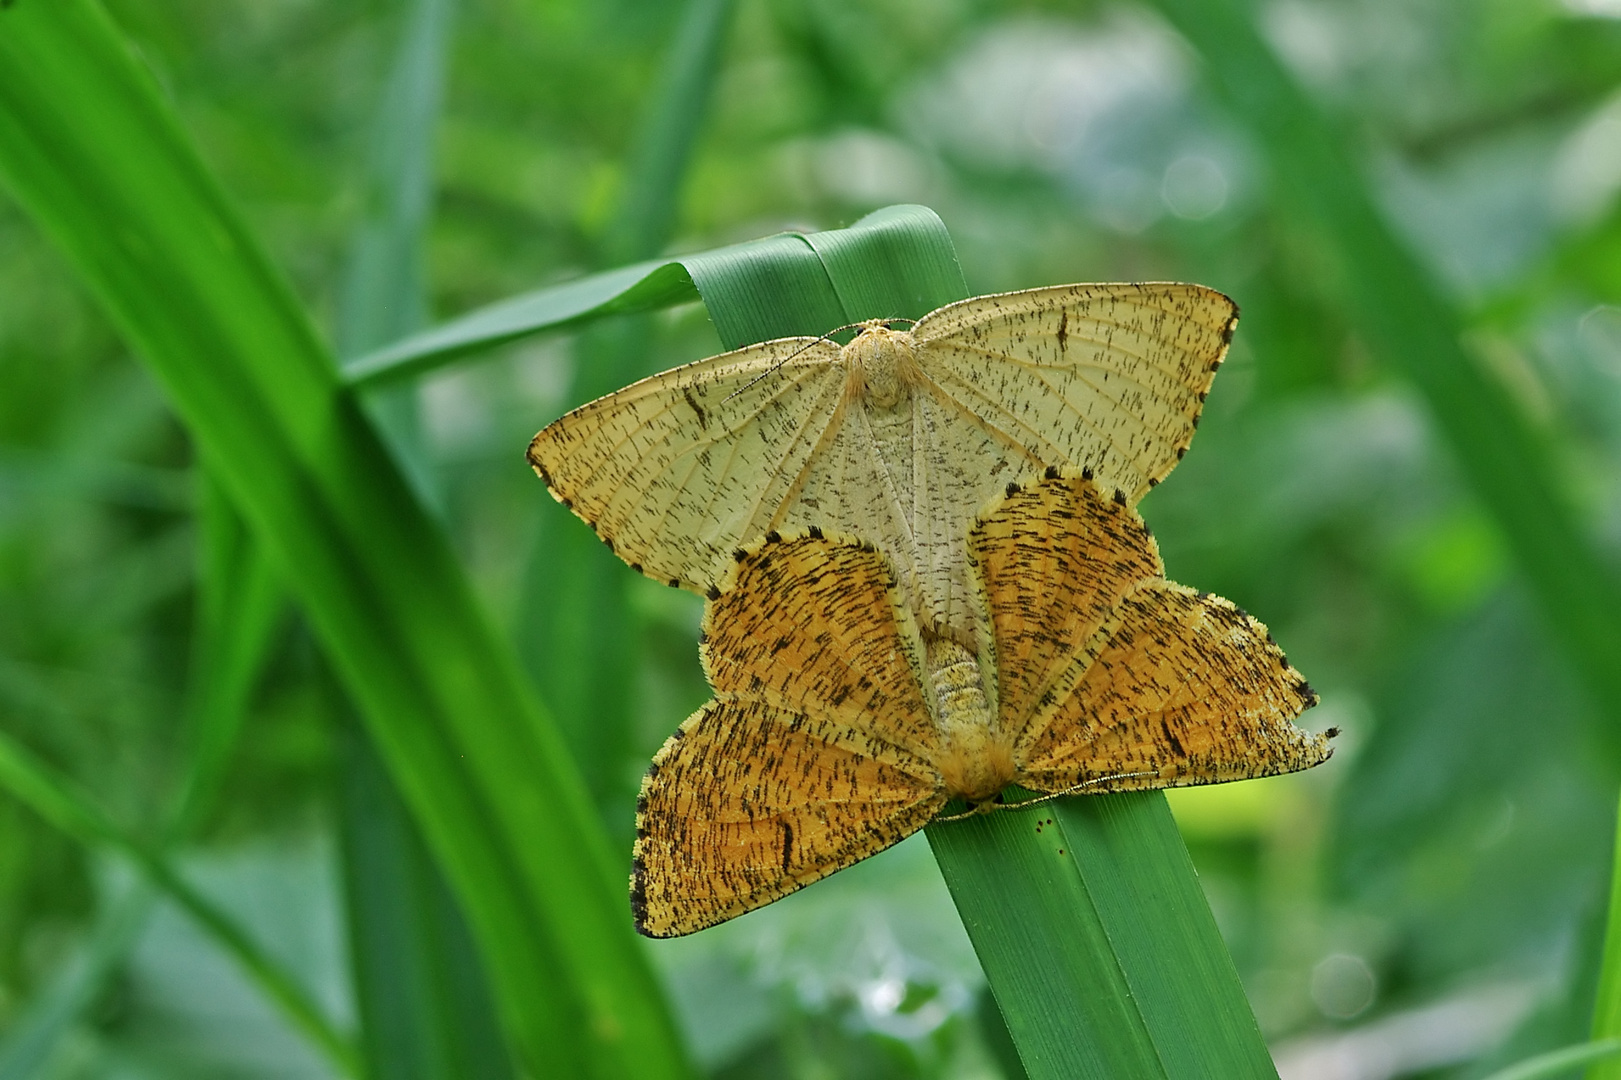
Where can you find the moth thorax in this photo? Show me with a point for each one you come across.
(974, 760)
(881, 366)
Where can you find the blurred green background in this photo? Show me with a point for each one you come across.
(1430, 903)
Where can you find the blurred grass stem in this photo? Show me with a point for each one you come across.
(59, 802)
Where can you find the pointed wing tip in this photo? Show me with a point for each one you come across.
(1323, 744)
(1221, 299)
(536, 461)
(1233, 311)
(1310, 748)
(660, 573)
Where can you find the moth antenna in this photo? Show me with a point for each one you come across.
(991, 806)
(1072, 790)
(774, 368)
(827, 337)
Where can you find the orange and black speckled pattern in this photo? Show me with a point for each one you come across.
(1187, 689)
(900, 437)
(840, 727)
(1051, 565)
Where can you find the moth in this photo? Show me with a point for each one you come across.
(842, 724)
(899, 437)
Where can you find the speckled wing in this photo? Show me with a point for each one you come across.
(677, 470)
(815, 752)
(1110, 377)
(816, 626)
(1053, 561)
(747, 803)
(1187, 689)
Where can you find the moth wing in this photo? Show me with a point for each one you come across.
(676, 470)
(1187, 689)
(849, 485)
(966, 466)
(1109, 376)
(1052, 561)
(816, 626)
(748, 803)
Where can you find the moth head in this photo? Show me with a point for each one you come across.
(882, 370)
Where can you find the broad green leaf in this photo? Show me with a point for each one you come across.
(897, 262)
(90, 150)
(1150, 958)
(643, 287)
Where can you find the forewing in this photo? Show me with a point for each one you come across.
(1110, 377)
(677, 470)
(748, 802)
(813, 625)
(1188, 689)
(1053, 561)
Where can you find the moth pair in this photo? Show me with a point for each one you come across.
(892, 643)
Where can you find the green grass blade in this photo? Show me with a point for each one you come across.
(577, 632)
(1044, 948)
(777, 286)
(239, 603)
(423, 1002)
(898, 261)
(93, 154)
(1607, 1006)
(383, 294)
(669, 130)
(1403, 316)
(1098, 943)
(1143, 884)
(421, 993)
(1105, 960)
(998, 1040)
(32, 1039)
(1561, 1062)
(772, 287)
(57, 801)
(628, 290)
